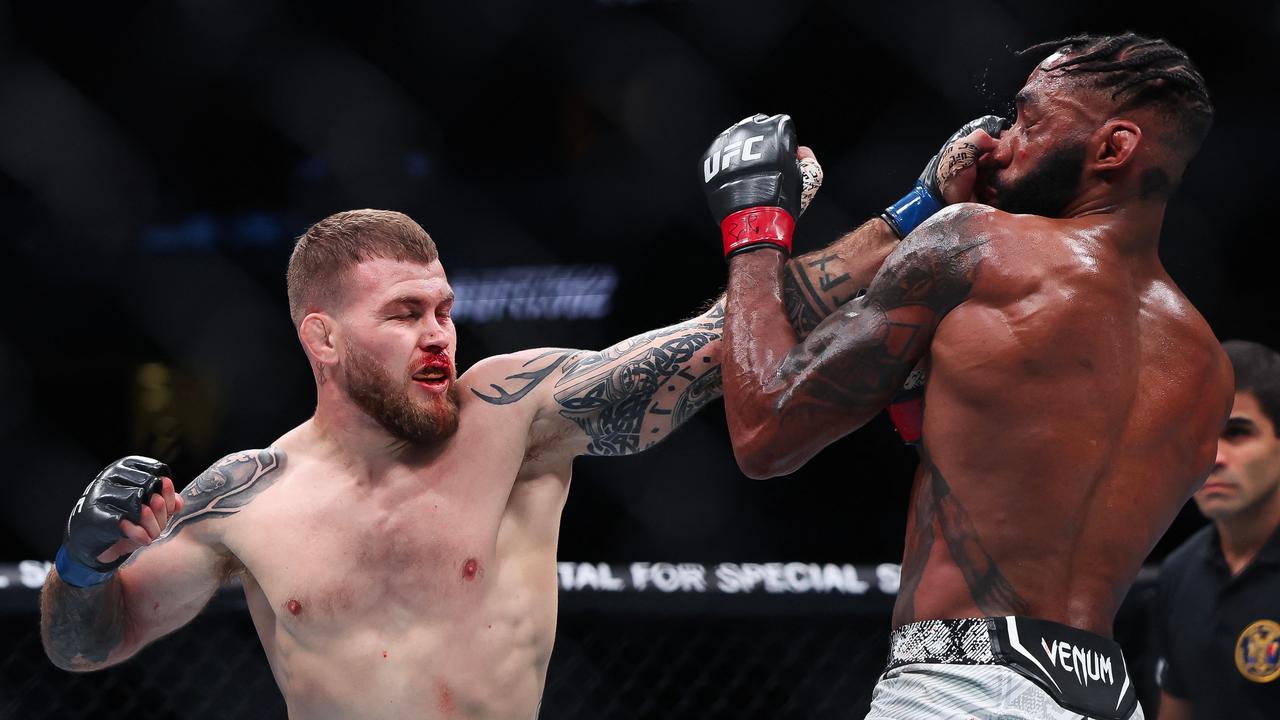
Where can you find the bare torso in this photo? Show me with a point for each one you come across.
(431, 595)
(1072, 407)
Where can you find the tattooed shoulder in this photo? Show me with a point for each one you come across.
(937, 264)
(227, 486)
(531, 374)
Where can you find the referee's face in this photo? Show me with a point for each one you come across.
(1247, 472)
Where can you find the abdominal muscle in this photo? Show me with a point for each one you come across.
(477, 657)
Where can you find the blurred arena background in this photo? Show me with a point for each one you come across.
(158, 158)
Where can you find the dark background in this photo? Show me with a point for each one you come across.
(157, 159)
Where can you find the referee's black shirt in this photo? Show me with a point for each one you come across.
(1217, 636)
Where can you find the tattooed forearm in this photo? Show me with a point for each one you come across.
(706, 388)
(81, 626)
(627, 397)
(616, 403)
(226, 487)
(584, 362)
(574, 362)
(815, 284)
(858, 357)
(808, 304)
(846, 379)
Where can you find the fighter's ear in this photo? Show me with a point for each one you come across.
(1116, 144)
(318, 333)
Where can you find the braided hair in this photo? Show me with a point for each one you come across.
(1139, 72)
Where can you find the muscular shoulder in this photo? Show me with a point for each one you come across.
(939, 264)
(227, 486)
(1192, 348)
(956, 227)
(510, 379)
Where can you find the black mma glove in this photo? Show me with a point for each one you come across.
(118, 492)
(752, 181)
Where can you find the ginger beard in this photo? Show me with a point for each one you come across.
(409, 413)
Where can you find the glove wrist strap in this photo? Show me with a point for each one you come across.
(752, 228)
(77, 574)
(914, 208)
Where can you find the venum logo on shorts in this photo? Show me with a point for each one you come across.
(1085, 664)
(713, 162)
(1258, 651)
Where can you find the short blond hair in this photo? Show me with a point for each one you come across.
(344, 240)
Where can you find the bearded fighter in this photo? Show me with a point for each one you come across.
(397, 549)
(1074, 396)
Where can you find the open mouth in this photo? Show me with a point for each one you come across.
(432, 377)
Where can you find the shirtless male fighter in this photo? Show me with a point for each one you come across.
(1074, 395)
(398, 549)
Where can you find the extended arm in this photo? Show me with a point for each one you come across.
(616, 401)
(786, 400)
(750, 176)
(814, 285)
(628, 397)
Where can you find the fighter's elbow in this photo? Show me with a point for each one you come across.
(71, 660)
(757, 469)
(758, 455)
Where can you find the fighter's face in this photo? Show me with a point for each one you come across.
(1247, 471)
(397, 359)
(1038, 161)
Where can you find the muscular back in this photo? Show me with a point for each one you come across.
(1073, 404)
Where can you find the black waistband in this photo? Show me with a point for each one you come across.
(1083, 672)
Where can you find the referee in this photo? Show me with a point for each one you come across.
(1217, 606)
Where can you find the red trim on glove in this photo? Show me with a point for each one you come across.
(753, 226)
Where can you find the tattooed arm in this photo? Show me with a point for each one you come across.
(814, 285)
(786, 401)
(617, 401)
(626, 398)
(162, 586)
